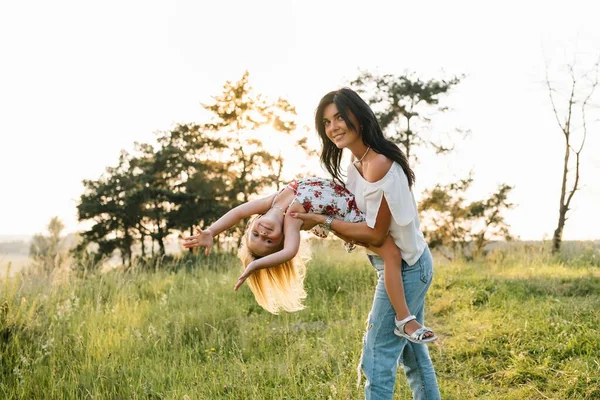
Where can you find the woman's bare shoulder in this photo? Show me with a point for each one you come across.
(377, 168)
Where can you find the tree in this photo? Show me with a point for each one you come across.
(108, 202)
(46, 249)
(147, 195)
(238, 115)
(463, 228)
(198, 191)
(191, 176)
(402, 103)
(242, 119)
(577, 101)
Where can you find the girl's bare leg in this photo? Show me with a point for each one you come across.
(392, 277)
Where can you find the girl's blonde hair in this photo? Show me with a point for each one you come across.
(277, 288)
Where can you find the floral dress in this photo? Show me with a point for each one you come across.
(324, 196)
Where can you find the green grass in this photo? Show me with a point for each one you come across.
(520, 325)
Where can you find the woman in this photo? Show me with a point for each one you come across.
(381, 180)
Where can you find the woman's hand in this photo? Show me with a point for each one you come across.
(310, 219)
(201, 239)
(250, 269)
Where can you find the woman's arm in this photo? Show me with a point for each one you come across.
(204, 238)
(359, 232)
(375, 170)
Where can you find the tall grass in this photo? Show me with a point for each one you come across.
(521, 324)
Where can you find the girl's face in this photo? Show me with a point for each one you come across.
(265, 236)
(336, 128)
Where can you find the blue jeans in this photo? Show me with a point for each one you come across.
(383, 351)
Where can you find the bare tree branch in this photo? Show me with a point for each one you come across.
(584, 105)
(568, 129)
(550, 90)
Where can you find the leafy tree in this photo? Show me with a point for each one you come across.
(243, 120)
(403, 104)
(238, 115)
(107, 201)
(193, 174)
(197, 185)
(148, 195)
(458, 227)
(46, 250)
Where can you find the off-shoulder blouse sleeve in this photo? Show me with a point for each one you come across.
(394, 185)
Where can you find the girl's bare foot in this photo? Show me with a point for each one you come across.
(412, 326)
(411, 330)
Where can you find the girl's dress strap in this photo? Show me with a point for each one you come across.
(282, 189)
(292, 186)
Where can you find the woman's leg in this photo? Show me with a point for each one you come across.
(415, 357)
(382, 348)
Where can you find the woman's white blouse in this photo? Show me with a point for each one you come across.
(405, 226)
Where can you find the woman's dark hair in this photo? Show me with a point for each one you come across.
(349, 102)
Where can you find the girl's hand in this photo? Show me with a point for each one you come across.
(251, 268)
(350, 241)
(310, 219)
(201, 239)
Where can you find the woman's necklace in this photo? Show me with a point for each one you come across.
(359, 161)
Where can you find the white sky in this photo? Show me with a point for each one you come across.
(80, 80)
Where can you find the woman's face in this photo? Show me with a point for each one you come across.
(336, 128)
(264, 236)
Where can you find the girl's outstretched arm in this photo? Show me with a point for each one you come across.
(291, 246)
(204, 238)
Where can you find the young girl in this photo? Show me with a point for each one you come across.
(271, 243)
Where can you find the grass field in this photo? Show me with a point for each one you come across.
(519, 325)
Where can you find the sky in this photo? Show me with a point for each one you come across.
(79, 81)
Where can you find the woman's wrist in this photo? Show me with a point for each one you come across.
(328, 221)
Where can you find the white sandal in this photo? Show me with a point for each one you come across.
(417, 336)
